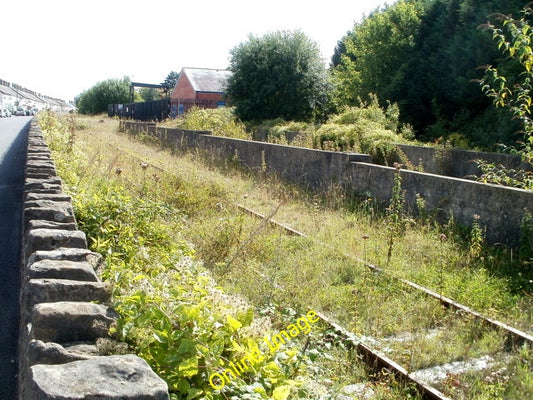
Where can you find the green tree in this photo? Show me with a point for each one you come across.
(513, 90)
(279, 75)
(438, 97)
(423, 55)
(375, 54)
(170, 80)
(96, 99)
(149, 94)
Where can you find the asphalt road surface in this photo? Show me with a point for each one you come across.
(13, 135)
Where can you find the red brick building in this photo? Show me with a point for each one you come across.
(200, 87)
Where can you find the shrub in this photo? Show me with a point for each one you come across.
(220, 121)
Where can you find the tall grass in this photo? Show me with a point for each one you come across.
(274, 271)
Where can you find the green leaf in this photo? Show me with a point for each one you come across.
(217, 347)
(189, 367)
(186, 346)
(183, 385)
(261, 390)
(246, 317)
(281, 392)
(233, 323)
(194, 393)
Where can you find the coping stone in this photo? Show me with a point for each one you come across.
(124, 377)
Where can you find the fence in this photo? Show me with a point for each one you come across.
(156, 110)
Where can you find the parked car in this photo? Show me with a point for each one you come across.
(2, 113)
(20, 111)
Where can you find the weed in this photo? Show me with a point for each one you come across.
(395, 213)
(477, 238)
(272, 270)
(526, 238)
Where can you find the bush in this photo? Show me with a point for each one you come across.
(367, 129)
(220, 121)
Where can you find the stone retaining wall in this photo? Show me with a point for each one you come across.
(501, 209)
(458, 163)
(64, 311)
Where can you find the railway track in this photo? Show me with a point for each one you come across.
(515, 336)
(373, 358)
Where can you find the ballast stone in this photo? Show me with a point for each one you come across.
(111, 378)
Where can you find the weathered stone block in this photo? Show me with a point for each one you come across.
(48, 210)
(54, 290)
(38, 162)
(48, 196)
(41, 172)
(40, 185)
(38, 224)
(48, 189)
(62, 269)
(40, 352)
(34, 183)
(50, 239)
(38, 175)
(65, 321)
(69, 254)
(46, 203)
(99, 378)
(38, 157)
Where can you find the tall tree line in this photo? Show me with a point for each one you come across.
(424, 55)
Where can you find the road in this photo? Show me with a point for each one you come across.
(13, 135)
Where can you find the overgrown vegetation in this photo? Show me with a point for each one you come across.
(511, 90)
(220, 121)
(422, 55)
(155, 227)
(173, 313)
(366, 129)
(111, 91)
(278, 75)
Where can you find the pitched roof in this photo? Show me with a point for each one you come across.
(7, 90)
(207, 80)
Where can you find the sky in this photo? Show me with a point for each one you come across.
(61, 48)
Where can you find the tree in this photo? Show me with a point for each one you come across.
(149, 94)
(513, 91)
(96, 99)
(279, 75)
(423, 56)
(373, 56)
(171, 80)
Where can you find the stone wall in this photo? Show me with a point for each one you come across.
(457, 163)
(65, 317)
(306, 167)
(500, 209)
